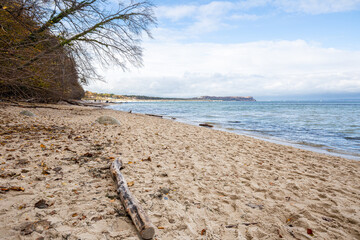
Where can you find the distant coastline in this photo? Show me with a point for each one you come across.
(109, 97)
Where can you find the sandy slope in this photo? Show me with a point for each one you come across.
(199, 184)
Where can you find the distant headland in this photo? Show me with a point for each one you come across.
(233, 98)
(109, 97)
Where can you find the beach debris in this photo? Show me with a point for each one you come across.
(45, 172)
(232, 226)
(156, 195)
(38, 226)
(75, 191)
(327, 219)
(88, 154)
(278, 232)
(57, 169)
(78, 138)
(107, 120)
(310, 232)
(146, 159)
(154, 115)
(22, 206)
(41, 204)
(95, 219)
(206, 125)
(159, 194)
(6, 189)
(133, 208)
(251, 223)
(27, 113)
(164, 190)
(254, 206)
(9, 174)
(203, 232)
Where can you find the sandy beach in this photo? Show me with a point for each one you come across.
(194, 182)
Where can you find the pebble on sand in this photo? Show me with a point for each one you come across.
(107, 120)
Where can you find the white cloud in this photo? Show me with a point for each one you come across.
(317, 6)
(195, 20)
(219, 9)
(251, 17)
(303, 6)
(177, 12)
(256, 68)
(204, 18)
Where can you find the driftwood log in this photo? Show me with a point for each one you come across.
(206, 125)
(132, 206)
(153, 115)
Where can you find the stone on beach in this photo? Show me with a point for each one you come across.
(27, 113)
(107, 120)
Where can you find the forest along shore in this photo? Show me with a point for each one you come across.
(195, 183)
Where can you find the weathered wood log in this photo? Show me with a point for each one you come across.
(153, 115)
(132, 206)
(206, 125)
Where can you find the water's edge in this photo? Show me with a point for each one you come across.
(305, 145)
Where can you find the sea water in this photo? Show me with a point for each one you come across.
(328, 127)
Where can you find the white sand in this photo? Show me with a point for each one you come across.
(222, 185)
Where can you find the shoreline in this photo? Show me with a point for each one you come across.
(304, 146)
(194, 182)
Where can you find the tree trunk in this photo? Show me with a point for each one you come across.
(132, 206)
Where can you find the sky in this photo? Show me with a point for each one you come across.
(268, 49)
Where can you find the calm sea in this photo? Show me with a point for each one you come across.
(328, 127)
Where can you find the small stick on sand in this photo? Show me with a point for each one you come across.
(132, 206)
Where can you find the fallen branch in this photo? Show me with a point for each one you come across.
(32, 106)
(153, 115)
(132, 206)
(86, 104)
(206, 125)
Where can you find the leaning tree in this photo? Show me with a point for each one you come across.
(48, 46)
